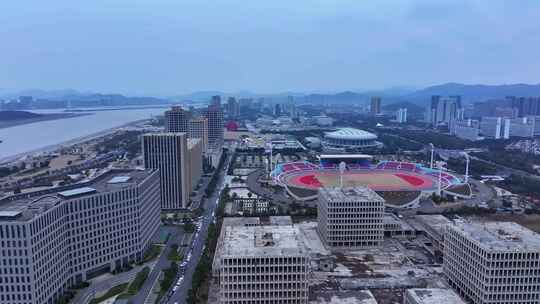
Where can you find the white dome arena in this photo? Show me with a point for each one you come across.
(350, 138)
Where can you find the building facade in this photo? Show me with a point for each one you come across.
(198, 128)
(214, 114)
(375, 105)
(350, 218)
(493, 262)
(176, 119)
(401, 115)
(195, 162)
(263, 265)
(53, 239)
(468, 129)
(495, 127)
(168, 152)
(444, 110)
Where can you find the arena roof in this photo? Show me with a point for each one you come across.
(350, 133)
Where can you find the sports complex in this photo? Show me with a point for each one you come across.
(401, 183)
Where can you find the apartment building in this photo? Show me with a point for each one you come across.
(350, 218)
(493, 262)
(177, 119)
(55, 238)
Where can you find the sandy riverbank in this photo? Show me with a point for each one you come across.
(42, 117)
(70, 142)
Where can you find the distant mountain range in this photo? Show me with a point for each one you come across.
(420, 97)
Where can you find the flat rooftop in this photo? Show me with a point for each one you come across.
(344, 297)
(500, 235)
(22, 207)
(434, 296)
(262, 241)
(350, 194)
(436, 222)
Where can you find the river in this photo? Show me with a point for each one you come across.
(34, 136)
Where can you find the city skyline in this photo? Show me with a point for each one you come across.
(193, 46)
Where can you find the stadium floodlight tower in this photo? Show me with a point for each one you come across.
(342, 168)
(467, 159)
(432, 152)
(269, 151)
(440, 167)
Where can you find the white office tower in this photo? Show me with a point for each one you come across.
(494, 262)
(401, 115)
(495, 127)
(263, 265)
(55, 238)
(176, 119)
(168, 152)
(431, 296)
(350, 218)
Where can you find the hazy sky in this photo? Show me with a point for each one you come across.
(167, 47)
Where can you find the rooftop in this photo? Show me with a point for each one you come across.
(24, 206)
(436, 222)
(500, 236)
(350, 133)
(344, 297)
(434, 296)
(350, 194)
(262, 241)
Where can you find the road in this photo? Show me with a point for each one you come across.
(199, 240)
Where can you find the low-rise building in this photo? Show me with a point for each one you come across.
(493, 262)
(350, 218)
(431, 296)
(263, 264)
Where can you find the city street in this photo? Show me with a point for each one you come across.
(198, 242)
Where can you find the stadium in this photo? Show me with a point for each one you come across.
(350, 139)
(401, 184)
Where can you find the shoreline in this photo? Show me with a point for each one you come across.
(44, 117)
(70, 142)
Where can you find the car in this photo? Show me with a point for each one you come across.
(175, 288)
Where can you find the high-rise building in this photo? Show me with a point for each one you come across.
(401, 115)
(198, 128)
(263, 264)
(493, 262)
(375, 105)
(233, 107)
(216, 101)
(525, 106)
(431, 296)
(445, 109)
(277, 110)
(214, 114)
(56, 238)
(495, 127)
(168, 152)
(195, 162)
(176, 120)
(350, 218)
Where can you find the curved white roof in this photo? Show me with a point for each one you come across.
(350, 133)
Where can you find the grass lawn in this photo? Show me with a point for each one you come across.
(116, 290)
(152, 253)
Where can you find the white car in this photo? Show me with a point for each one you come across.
(175, 288)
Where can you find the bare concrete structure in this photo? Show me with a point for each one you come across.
(350, 218)
(493, 262)
(431, 296)
(262, 265)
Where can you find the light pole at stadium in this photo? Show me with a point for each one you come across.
(432, 152)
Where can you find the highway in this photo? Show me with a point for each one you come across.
(180, 295)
